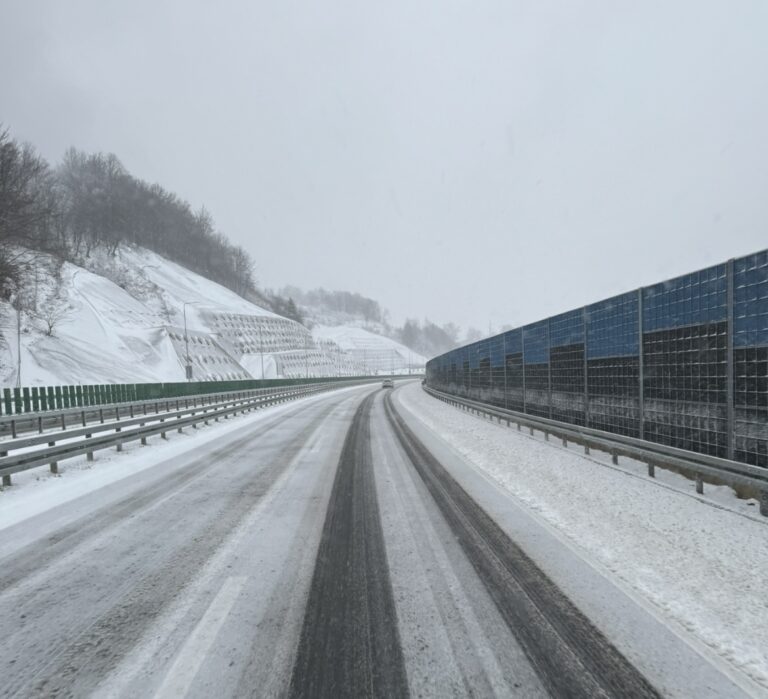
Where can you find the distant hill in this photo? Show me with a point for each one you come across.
(348, 309)
(377, 353)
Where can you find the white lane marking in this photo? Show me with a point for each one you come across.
(183, 671)
(146, 652)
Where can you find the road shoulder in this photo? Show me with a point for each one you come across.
(672, 659)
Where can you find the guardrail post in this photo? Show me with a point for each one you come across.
(764, 503)
(565, 441)
(699, 485)
(6, 480)
(586, 448)
(614, 458)
(54, 464)
(651, 470)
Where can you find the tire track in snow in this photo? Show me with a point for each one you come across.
(349, 644)
(571, 656)
(73, 663)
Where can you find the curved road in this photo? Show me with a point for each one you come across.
(324, 551)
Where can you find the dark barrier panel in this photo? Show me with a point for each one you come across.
(750, 358)
(683, 362)
(536, 368)
(567, 360)
(685, 358)
(613, 364)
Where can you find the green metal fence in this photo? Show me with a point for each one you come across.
(17, 401)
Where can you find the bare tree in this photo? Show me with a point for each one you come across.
(54, 308)
(27, 209)
(91, 201)
(52, 314)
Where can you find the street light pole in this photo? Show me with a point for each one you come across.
(17, 306)
(188, 365)
(261, 350)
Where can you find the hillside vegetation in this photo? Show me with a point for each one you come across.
(88, 207)
(90, 202)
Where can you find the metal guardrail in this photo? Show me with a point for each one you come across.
(38, 399)
(732, 473)
(14, 425)
(88, 438)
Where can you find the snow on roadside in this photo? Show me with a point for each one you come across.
(37, 490)
(701, 563)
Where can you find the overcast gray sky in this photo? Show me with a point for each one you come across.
(469, 161)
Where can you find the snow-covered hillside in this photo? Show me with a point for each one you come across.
(121, 320)
(377, 353)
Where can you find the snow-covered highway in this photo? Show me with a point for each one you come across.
(341, 545)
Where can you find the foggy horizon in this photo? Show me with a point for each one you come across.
(479, 164)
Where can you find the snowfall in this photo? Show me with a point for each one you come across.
(697, 562)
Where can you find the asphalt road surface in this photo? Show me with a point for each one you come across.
(329, 550)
